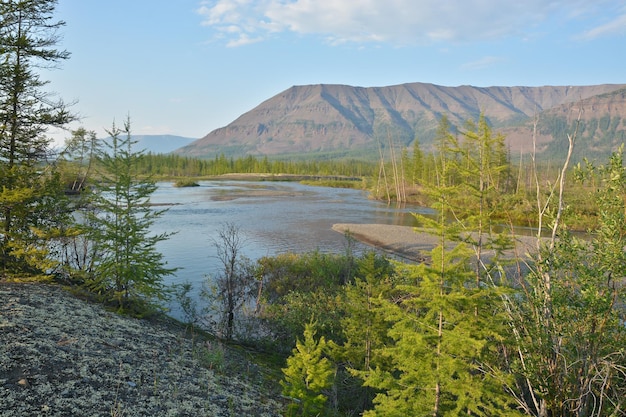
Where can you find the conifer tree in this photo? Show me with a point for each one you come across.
(130, 269)
(479, 161)
(307, 375)
(30, 209)
(364, 329)
(443, 323)
(434, 366)
(417, 163)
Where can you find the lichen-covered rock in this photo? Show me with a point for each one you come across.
(62, 356)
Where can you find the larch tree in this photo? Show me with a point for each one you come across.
(129, 270)
(480, 163)
(30, 192)
(444, 329)
(77, 254)
(308, 373)
(364, 329)
(446, 323)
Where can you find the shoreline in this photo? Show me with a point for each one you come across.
(410, 243)
(400, 241)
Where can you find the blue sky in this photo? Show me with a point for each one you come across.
(187, 67)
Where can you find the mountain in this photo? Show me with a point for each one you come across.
(160, 143)
(602, 127)
(340, 120)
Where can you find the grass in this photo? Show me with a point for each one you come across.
(186, 182)
(354, 184)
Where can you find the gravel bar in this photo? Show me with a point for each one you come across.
(411, 243)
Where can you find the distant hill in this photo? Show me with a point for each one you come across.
(161, 143)
(340, 120)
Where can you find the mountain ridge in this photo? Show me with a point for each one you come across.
(347, 120)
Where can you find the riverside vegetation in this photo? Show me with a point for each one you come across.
(468, 331)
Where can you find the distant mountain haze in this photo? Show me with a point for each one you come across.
(157, 143)
(342, 121)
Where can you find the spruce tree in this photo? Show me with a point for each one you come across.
(307, 375)
(129, 271)
(30, 209)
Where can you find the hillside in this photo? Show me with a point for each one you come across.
(341, 120)
(602, 127)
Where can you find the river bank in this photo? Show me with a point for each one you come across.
(64, 356)
(412, 244)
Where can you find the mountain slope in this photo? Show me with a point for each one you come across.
(346, 120)
(601, 130)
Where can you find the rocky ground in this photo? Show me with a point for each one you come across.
(64, 356)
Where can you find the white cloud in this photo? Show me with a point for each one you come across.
(397, 22)
(243, 39)
(616, 26)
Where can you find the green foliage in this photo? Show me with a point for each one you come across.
(356, 184)
(417, 164)
(76, 164)
(129, 270)
(297, 287)
(307, 375)
(601, 136)
(570, 320)
(364, 329)
(442, 329)
(172, 165)
(34, 212)
(76, 161)
(186, 182)
(290, 272)
(32, 209)
(442, 321)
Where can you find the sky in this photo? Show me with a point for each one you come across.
(187, 67)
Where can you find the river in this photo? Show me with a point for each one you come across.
(273, 218)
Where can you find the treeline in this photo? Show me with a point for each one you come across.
(401, 174)
(171, 165)
(604, 133)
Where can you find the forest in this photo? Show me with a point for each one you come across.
(475, 329)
